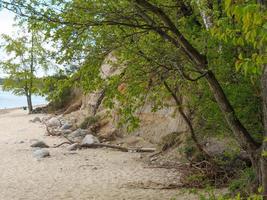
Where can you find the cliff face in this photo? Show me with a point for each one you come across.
(153, 125)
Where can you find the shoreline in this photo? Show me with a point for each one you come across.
(7, 110)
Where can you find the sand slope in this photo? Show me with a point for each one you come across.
(99, 174)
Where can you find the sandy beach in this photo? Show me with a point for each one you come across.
(99, 174)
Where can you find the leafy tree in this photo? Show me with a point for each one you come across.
(25, 56)
(193, 44)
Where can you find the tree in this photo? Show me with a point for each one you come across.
(25, 57)
(83, 26)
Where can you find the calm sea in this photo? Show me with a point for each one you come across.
(9, 100)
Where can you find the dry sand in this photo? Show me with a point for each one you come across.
(99, 174)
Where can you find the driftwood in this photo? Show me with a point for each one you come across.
(143, 150)
(56, 146)
(97, 145)
(124, 149)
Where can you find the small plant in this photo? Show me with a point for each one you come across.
(242, 185)
(88, 121)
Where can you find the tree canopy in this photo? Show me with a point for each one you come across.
(211, 53)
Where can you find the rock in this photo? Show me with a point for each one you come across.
(73, 147)
(78, 135)
(41, 153)
(53, 122)
(66, 132)
(40, 110)
(89, 139)
(108, 134)
(21, 142)
(66, 126)
(40, 144)
(74, 107)
(36, 119)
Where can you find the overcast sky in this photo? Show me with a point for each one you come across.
(6, 22)
(6, 27)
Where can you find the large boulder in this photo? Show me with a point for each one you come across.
(78, 135)
(40, 144)
(41, 153)
(89, 139)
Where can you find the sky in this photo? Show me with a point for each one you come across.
(6, 27)
(6, 22)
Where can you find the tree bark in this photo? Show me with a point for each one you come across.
(99, 101)
(187, 121)
(264, 145)
(29, 102)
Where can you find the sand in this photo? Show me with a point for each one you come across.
(97, 174)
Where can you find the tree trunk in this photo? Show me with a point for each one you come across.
(29, 102)
(99, 101)
(241, 134)
(187, 121)
(201, 63)
(264, 145)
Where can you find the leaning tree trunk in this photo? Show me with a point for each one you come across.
(241, 134)
(264, 145)
(187, 121)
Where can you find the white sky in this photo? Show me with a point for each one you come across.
(6, 22)
(6, 27)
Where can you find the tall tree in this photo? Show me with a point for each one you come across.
(25, 56)
(83, 26)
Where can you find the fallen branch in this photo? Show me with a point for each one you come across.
(60, 144)
(124, 149)
(149, 150)
(71, 141)
(96, 145)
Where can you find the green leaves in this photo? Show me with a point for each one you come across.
(244, 27)
(25, 55)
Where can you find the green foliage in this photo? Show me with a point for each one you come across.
(25, 57)
(57, 89)
(242, 185)
(85, 32)
(245, 27)
(88, 121)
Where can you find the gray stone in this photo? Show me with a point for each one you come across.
(73, 147)
(66, 126)
(53, 122)
(66, 132)
(40, 144)
(89, 139)
(78, 135)
(36, 119)
(41, 153)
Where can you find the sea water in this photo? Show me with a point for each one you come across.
(9, 100)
